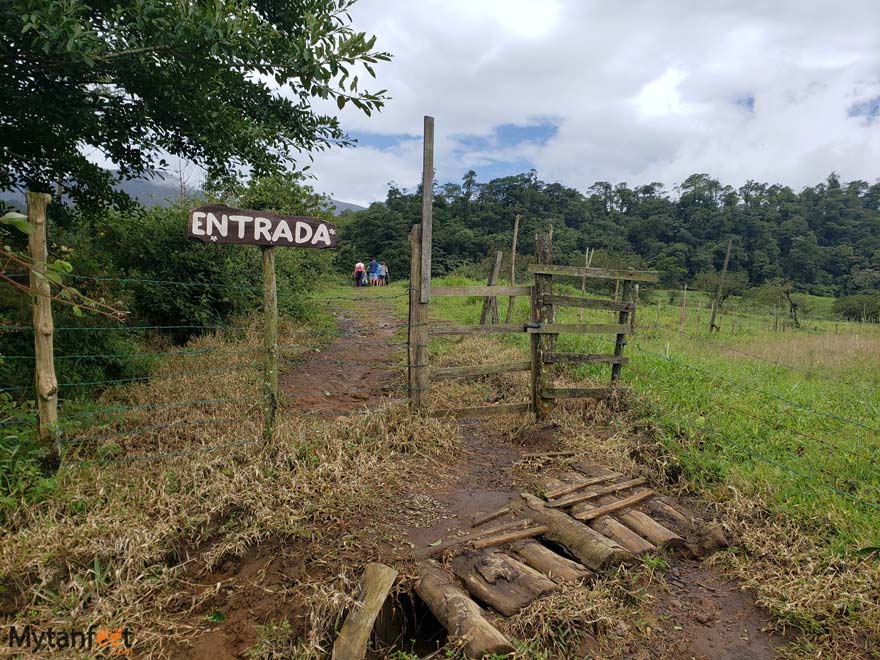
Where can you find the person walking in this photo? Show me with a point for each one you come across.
(384, 277)
(359, 272)
(373, 271)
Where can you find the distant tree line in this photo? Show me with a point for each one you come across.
(823, 240)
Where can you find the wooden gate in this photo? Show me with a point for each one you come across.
(541, 327)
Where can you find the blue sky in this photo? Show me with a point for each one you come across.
(587, 90)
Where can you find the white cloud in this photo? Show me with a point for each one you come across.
(641, 91)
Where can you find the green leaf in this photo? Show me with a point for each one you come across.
(17, 220)
(340, 101)
(435, 543)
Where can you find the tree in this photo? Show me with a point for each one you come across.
(135, 81)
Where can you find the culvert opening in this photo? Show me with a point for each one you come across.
(406, 624)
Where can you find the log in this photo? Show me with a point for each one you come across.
(373, 589)
(613, 529)
(482, 520)
(645, 526)
(592, 494)
(461, 616)
(555, 567)
(605, 509)
(501, 539)
(559, 491)
(589, 546)
(437, 549)
(500, 581)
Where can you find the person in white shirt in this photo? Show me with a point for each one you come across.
(358, 274)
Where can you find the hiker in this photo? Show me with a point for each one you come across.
(384, 278)
(358, 274)
(373, 271)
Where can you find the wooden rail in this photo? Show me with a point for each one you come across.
(450, 291)
(584, 358)
(484, 411)
(577, 392)
(592, 303)
(480, 370)
(601, 273)
(449, 330)
(580, 328)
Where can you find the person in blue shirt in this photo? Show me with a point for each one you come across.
(373, 270)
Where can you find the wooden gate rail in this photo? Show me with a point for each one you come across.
(480, 291)
(480, 370)
(600, 273)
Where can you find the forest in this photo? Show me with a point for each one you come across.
(823, 240)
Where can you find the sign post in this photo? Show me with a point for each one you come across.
(217, 223)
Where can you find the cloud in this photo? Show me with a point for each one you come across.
(639, 91)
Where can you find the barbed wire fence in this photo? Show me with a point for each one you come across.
(157, 413)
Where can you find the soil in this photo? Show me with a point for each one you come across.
(696, 612)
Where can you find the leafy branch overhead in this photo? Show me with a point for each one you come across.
(227, 84)
(54, 274)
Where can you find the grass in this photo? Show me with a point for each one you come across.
(779, 429)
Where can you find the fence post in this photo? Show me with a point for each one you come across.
(541, 313)
(46, 384)
(490, 303)
(512, 299)
(427, 208)
(417, 343)
(622, 319)
(717, 302)
(270, 344)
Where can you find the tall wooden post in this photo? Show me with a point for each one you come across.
(270, 344)
(542, 313)
(46, 382)
(620, 342)
(489, 313)
(427, 208)
(717, 301)
(588, 258)
(417, 353)
(512, 299)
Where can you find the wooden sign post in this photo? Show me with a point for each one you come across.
(217, 223)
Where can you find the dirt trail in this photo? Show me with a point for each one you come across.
(354, 371)
(695, 612)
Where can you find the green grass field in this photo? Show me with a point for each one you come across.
(792, 417)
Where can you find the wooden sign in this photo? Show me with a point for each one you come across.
(217, 223)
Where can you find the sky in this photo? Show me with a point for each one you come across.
(637, 91)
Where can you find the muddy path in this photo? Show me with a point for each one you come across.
(692, 610)
(361, 368)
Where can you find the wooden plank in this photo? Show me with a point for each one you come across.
(373, 589)
(605, 509)
(484, 411)
(480, 370)
(452, 330)
(584, 358)
(591, 303)
(510, 300)
(482, 520)
(581, 328)
(509, 537)
(601, 273)
(480, 291)
(500, 581)
(437, 549)
(570, 488)
(607, 490)
(427, 210)
(623, 318)
(578, 392)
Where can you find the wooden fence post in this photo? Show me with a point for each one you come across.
(270, 344)
(427, 209)
(512, 299)
(489, 314)
(45, 381)
(542, 313)
(717, 302)
(417, 353)
(622, 318)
